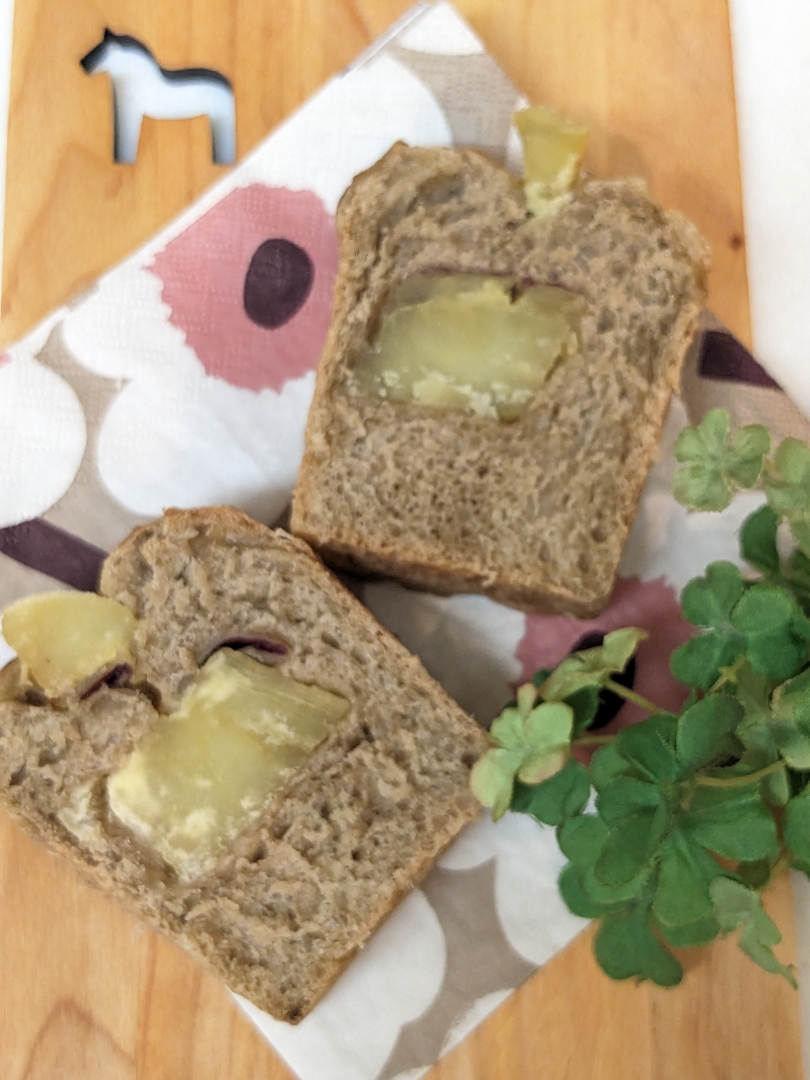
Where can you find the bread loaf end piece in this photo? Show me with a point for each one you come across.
(304, 886)
(536, 512)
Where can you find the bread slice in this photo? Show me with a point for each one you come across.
(533, 513)
(353, 831)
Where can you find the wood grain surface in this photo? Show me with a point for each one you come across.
(87, 993)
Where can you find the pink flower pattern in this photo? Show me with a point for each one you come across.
(266, 250)
(650, 605)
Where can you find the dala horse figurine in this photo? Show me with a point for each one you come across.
(141, 87)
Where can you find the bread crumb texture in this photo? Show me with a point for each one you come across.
(303, 887)
(534, 513)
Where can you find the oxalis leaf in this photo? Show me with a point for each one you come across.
(763, 622)
(758, 731)
(775, 628)
(582, 838)
(790, 723)
(626, 795)
(686, 871)
(699, 662)
(548, 737)
(796, 826)
(555, 799)
(493, 779)
(736, 906)
(787, 487)
(532, 743)
(577, 899)
(704, 728)
(627, 849)
(584, 702)
(626, 946)
(734, 823)
(622, 894)
(607, 763)
(758, 540)
(799, 567)
(708, 602)
(717, 464)
(650, 748)
(755, 730)
(592, 667)
(687, 935)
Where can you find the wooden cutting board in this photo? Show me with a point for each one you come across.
(87, 993)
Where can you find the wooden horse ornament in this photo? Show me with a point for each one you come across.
(141, 87)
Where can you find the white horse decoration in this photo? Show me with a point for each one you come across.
(141, 87)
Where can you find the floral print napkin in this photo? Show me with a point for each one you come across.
(183, 378)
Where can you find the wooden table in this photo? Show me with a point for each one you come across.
(87, 993)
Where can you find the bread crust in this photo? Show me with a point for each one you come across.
(455, 503)
(354, 830)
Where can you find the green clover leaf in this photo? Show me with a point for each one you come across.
(755, 730)
(787, 487)
(627, 849)
(797, 826)
(650, 748)
(762, 621)
(606, 764)
(708, 602)
(493, 779)
(715, 464)
(736, 906)
(582, 838)
(733, 823)
(758, 540)
(799, 570)
(532, 743)
(682, 896)
(704, 728)
(626, 946)
(700, 661)
(507, 730)
(592, 667)
(556, 799)
(584, 702)
(775, 628)
(688, 935)
(576, 898)
(616, 894)
(548, 738)
(626, 795)
(790, 723)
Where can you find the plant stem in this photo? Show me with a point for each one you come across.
(632, 696)
(593, 740)
(728, 674)
(779, 867)
(739, 781)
